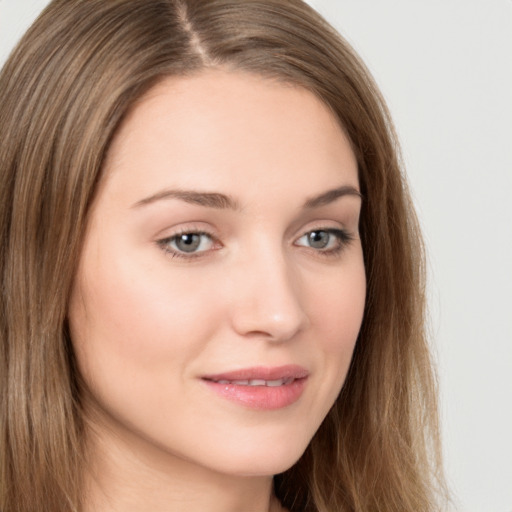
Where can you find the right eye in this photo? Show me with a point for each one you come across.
(187, 244)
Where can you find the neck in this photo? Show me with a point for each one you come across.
(129, 477)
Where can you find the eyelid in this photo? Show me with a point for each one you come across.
(163, 243)
(344, 237)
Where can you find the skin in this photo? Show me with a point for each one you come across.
(147, 323)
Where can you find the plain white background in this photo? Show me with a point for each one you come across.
(445, 68)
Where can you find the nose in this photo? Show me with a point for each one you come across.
(266, 300)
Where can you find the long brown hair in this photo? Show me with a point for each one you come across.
(65, 90)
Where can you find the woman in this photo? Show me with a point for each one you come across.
(211, 271)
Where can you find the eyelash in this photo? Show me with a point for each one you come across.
(344, 238)
(165, 244)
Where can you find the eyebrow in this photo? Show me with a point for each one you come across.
(331, 195)
(223, 201)
(207, 199)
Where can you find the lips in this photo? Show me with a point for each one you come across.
(257, 382)
(263, 388)
(261, 373)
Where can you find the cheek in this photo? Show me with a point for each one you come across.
(128, 319)
(136, 335)
(337, 310)
(337, 313)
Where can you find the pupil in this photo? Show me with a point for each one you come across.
(318, 239)
(188, 242)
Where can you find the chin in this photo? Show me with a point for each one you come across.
(261, 458)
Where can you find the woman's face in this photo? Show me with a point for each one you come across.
(221, 285)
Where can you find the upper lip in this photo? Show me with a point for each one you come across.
(290, 371)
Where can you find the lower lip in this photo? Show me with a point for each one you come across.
(266, 398)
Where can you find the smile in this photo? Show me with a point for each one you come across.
(260, 388)
(258, 382)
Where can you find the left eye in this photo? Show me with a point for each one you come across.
(188, 243)
(323, 239)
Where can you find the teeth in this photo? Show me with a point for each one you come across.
(258, 382)
(274, 383)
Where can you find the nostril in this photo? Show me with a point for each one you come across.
(267, 325)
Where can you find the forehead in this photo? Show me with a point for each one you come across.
(217, 127)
